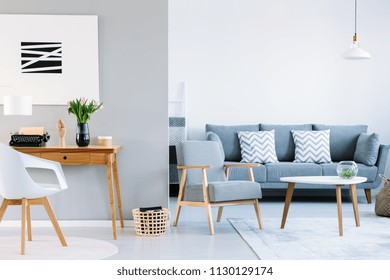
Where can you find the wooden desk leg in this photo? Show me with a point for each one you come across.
(355, 204)
(111, 196)
(118, 191)
(339, 209)
(287, 201)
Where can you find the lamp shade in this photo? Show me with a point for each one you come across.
(356, 53)
(17, 105)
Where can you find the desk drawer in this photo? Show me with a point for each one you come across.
(68, 158)
(99, 159)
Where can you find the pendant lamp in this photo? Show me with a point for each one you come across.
(355, 52)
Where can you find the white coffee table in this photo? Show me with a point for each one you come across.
(324, 180)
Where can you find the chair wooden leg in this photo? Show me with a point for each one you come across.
(368, 195)
(220, 210)
(3, 208)
(258, 214)
(23, 235)
(53, 220)
(29, 233)
(210, 219)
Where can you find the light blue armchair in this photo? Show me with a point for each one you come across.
(209, 189)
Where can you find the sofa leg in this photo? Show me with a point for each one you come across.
(368, 195)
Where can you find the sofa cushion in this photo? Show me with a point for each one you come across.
(224, 191)
(367, 148)
(257, 146)
(370, 172)
(229, 138)
(311, 146)
(284, 142)
(211, 136)
(241, 173)
(286, 169)
(343, 139)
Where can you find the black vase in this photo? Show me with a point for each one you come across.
(82, 135)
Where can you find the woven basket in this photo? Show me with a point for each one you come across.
(382, 202)
(152, 223)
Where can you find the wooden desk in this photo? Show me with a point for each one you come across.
(91, 155)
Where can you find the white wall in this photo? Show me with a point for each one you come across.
(133, 58)
(279, 61)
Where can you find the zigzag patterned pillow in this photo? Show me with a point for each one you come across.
(257, 146)
(312, 146)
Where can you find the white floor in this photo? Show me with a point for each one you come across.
(191, 240)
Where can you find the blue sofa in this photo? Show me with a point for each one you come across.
(343, 143)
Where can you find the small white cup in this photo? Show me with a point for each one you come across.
(105, 141)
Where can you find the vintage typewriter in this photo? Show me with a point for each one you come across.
(29, 137)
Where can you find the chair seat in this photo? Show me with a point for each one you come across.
(43, 190)
(220, 191)
(49, 189)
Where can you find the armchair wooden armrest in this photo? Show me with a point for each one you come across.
(193, 166)
(241, 164)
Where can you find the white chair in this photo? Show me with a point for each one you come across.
(18, 188)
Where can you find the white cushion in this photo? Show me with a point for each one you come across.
(257, 146)
(312, 146)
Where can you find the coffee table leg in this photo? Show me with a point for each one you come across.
(355, 204)
(339, 209)
(287, 201)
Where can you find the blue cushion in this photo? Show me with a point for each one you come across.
(286, 169)
(343, 139)
(370, 172)
(229, 138)
(224, 191)
(284, 142)
(211, 136)
(241, 173)
(367, 149)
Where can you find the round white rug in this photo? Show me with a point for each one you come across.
(49, 248)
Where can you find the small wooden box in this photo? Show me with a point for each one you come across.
(105, 141)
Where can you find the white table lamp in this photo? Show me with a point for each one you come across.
(17, 105)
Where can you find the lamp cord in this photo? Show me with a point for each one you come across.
(355, 15)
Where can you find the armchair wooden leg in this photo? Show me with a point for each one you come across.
(258, 215)
(368, 195)
(220, 209)
(178, 208)
(23, 235)
(29, 233)
(180, 197)
(53, 220)
(3, 208)
(210, 219)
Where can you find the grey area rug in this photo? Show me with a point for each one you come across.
(49, 248)
(317, 238)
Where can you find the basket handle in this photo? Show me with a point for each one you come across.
(384, 177)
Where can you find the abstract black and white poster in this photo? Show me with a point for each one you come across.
(41, 57)
(53, 58)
